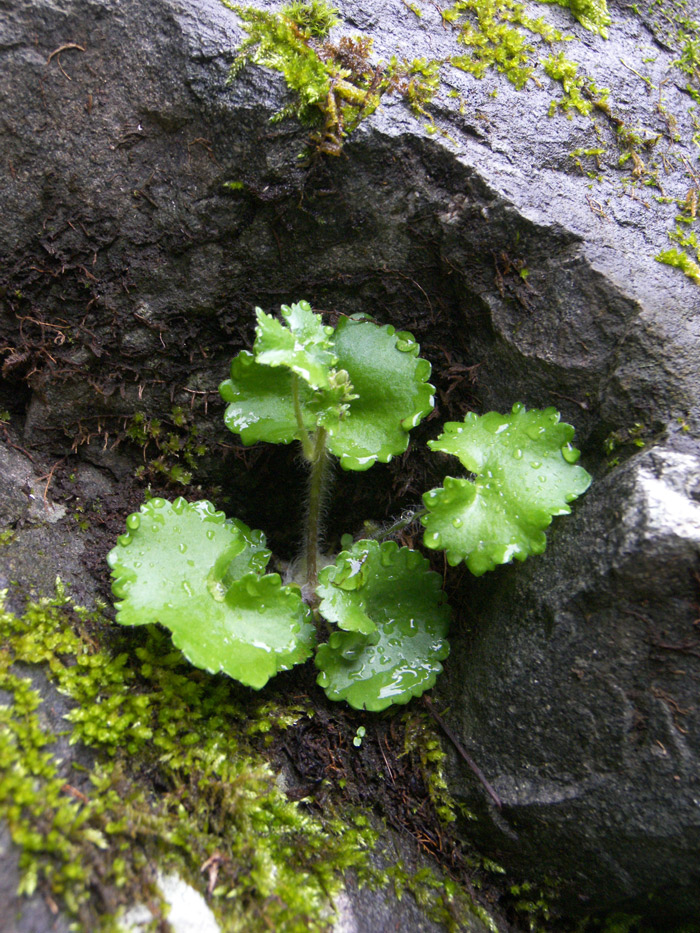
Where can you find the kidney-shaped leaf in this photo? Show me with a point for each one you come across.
(261, 407)
(185, 566)
(392, 391)
(526, 473)
(396, 619)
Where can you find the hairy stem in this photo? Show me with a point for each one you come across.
(381, 534)
(318, 480)
(306, 442)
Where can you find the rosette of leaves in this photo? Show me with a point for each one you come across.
(363, 385)
(525, 473)
(393, 618)
(187, 567)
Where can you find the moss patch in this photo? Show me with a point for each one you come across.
(196, 793)
(167, 774)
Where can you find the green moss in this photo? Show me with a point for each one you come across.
(443, 900)
(183, 733)
(495, 32)
(334, 86)
(592, 14)
(561, 69)
(680, 260)
(423, 742)
(171, 448)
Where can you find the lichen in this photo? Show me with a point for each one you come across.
(174, 781)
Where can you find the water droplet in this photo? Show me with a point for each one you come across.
(457, 522)
(210, 534)
(535, 464)
(133, 522)
(570, 454)
(137, 564)
(542, 478)
(182, 548)
(518, 454)
(187, 588)
(434, 538)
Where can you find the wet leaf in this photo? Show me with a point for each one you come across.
(526, 473)
(393, 610)
(363, 383)
(186, 567)
(392, 388)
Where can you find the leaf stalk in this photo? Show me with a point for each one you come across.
(318, 483)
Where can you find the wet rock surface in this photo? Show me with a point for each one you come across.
(577, 693)
(129, 274)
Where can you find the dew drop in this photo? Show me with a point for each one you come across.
(570, 454)
(535, 464)
(182, 548)
(133, 522)
(457, 522)
(518, 454)
(210, 534)
(542, 478)
(434, 538)
(187, 588)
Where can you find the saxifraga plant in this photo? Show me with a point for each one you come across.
(352, 392)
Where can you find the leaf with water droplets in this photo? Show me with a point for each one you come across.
(260, 404)
(364, 384)
(525, 474)
(187, 567)
(395, 617)
(393, 394)
(301, 343)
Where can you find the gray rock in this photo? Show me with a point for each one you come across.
(576, 692)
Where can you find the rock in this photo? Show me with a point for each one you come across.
(130, 270)
(576, 692)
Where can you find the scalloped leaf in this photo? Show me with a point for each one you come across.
(525, 474)
(187, 567)
(363, 383)
(394, 591)
(260, 402)
(301, 343)
(392, 388)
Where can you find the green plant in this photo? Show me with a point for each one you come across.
(353, 392)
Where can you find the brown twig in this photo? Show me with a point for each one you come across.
(467, 758)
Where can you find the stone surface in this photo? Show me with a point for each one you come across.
(129, 272)
(576, 690)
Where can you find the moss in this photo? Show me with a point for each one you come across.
(171, 448)
(170, 775)
(422, 741)
(444, 901)
(561, 69)
(681, 260)
(495, 31)
(334, 85)
(174, 780)
(592, 14)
